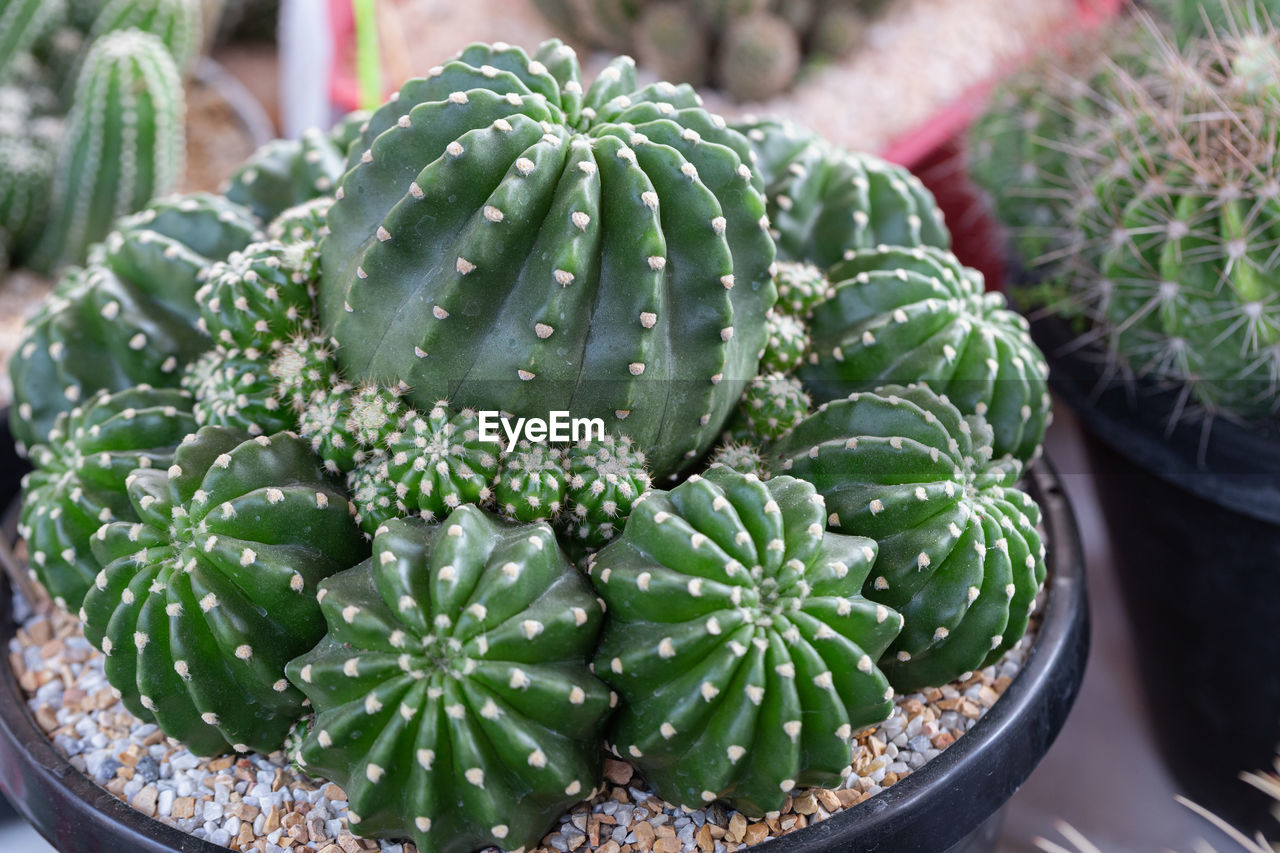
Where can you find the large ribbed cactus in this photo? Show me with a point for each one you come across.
(959, 553)
(204, 600)
(452, 695)
(177, 23)
(824, 201)
(130, 317)
(124, 142)
(898, 316)
(509, 241)
(740, 641)
(79, 479)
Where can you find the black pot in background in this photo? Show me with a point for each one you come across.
(954, 803)
(1193, 516)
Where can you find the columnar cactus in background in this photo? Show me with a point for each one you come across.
(453, 700)
(130, 316)
(959, 553)
(24, 187)
(22, 23)
(79, 479)
(739, 640)
(824, 201)
(618, 233)
(124, 142)
(909, 315)
(177, 23)
(212, 591)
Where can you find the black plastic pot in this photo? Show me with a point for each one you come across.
(952, 804)
(1193, 516)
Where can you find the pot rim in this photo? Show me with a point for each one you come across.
(929, 810)
(1225, 462)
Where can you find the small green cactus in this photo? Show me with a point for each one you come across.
(79, 479)
(287, 172)
(759, 58)
(739, 640)
(786, 345)
(235, 389)
(801, 286)
(204, 600)
(669, 41)
(177, 23)
(123, 145)
(959, 553)
(771, 406)
(302, 223)
(532, 482)
(899, 315)
(374, 497)
(258, 296)
(743, 457)
(617, 230)
(839, 30)
(24, 190)
(605, 478)
(824, 200)
(438, 461)
(22, 24)
(344, 423)
(452, 696)
(302, 368)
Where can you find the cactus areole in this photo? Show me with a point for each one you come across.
(508, 239)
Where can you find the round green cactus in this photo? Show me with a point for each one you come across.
(303, 223)
(743, 457)
(79, 479)
(824, 200)
(204, 600)
(740, 643)
(959, 553)
(771, 406)
(257, 296)
(375, 499)
(453, 700)
(787, 343)
(801, 286)
(303, 367)
(899, 315)
(438, 461)
(669, 42)
(531, 484)
(129, 318)
(344, 423)
(236, 389)
(605, 478)
(758, 58)
(617, 232)
(285, 173)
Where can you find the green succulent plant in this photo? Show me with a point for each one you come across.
(212, 591)
(235, 389)
(438, 461)
(743, 457)
(739, 640)
(24, 188)
(22, 24)
(801, 286)
(78, 483)
(899, 315)
(531, 483)
(258, 295)
(786, 346)
(605, 479)
(452, 695)
(759, 57)
(596, 219)
(960, 556)
(177, 23)
(287, 172)
(669, 40)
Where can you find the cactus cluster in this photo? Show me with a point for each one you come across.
(751, 49)
(1165, 244)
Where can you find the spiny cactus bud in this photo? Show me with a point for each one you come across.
(759, 58)
(235, 389)
(124, 142)
(771, 406)
(302, 367)
(438, 461)
(787, 343)
(302, 223)
(739, 640)
(285, 173)
(959, 553)
(375, 499)
(741, 457)
(79, 479)
(800, 287)
(906, 315)
(531, 483)
(256, 297)
(619, 224)
(204, 600)
(605, 478)
(177, 23)
(453, 700)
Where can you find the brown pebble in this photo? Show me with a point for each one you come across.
(348, 842)
(220, 764)
(184, 807)
(668, 845)
(333, 792)
(246, 836)
(703, 839)
(806, 803)
(618, 772)
(116, 786)
(829, 800)
(737, 827)
(609, 846)
(47, 718)
(331, 848)
(756, 833)
(644, 834)
(848, 797)
(145, 800)
(272, 821)
(292, 819)
(942, 740)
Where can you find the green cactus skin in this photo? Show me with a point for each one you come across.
(902, 315)
(801, 286)
(375, 499)
(24, 190)
(82, 13)
(348, 130)
(235, 389)
(453, 700)
(739, 641)
(302, 367)
(669, 42)
(123, 145)
(617, 232)
(79, 479)
(531, 484)
(297, 736)
(128, 320)
(743, 457)
(343, 423)
(256, 297)
(960, 557)
(605, 478)
(22, 24)
(204, 600)
(786, 345)
(824, 200)
(759, 58)
(285, 173)
(302, 223)
(771, 406)
(438, 461)
(177, 23)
